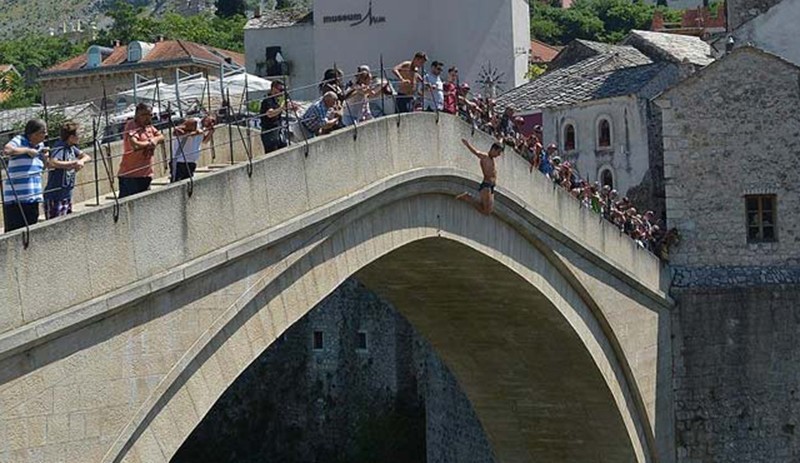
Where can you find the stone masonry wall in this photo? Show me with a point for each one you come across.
(393, 402)
(737, 391)
(730, 131)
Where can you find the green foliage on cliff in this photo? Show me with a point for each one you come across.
(40, 51)
(599, 20)
(130, 23)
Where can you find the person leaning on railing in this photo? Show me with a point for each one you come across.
(22, 191)
(357, 97)
(323, 117)
(187, 146)
(66, 160)
(139, 142)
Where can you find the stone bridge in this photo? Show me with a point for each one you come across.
(117, 338)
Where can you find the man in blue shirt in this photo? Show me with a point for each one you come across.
(22, 192)
(323, 117)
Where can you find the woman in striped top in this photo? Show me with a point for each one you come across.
(22, 192)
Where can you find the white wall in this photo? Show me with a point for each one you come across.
(297, 44)
(775, 31)
(486, 32)
(628, 155)
(463, 33)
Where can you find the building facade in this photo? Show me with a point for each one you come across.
(86, 77)
(485, 38)
(731, 145)
(595, 104)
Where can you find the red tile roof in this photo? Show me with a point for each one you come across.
(542, 52)
(167, 50)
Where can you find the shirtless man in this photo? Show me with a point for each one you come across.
(485, 202)
(409, 74)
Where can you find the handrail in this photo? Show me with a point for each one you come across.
(26, 234)
(109, 175)
(301, 129)
(182, 152)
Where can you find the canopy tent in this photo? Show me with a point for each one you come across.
(240, 87)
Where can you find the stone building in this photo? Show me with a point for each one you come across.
(731, 144)
(542, 53)
(594, 104)
(85, 77)
(351, 381)
(769, 31)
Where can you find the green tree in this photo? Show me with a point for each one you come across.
(600, 20)
(32, 52)
(535, 70)
(230, 8)
(128, 24)
(20, 96)
(207, 29)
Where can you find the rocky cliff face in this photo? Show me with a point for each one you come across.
(66, 17)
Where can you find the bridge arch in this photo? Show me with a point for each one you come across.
(534, 357)
(178, 286)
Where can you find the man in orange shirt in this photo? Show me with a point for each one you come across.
(139, 142)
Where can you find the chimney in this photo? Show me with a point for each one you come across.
(116, 44)
(658, 21)
(730, 44)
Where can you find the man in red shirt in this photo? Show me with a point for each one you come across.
(139, 143)
(451, 91)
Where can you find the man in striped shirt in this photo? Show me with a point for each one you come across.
(22, 192)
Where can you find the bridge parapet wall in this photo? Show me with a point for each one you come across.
(85, 265)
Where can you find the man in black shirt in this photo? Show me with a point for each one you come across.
(273, 129)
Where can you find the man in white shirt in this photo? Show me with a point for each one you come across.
(434, 88)
(187, 146)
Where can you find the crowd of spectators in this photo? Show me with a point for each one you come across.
(29, 160)
(339, 105)
(644, 228)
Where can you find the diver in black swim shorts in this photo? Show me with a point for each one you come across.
(485, 202)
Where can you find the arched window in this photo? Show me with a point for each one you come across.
(569, 137)
(603, 134)
(607, 178)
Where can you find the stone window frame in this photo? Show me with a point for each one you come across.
(362, 334)
(610, 169)
(598, 142)
(567, 123)
(318, 340)
(759, 210)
